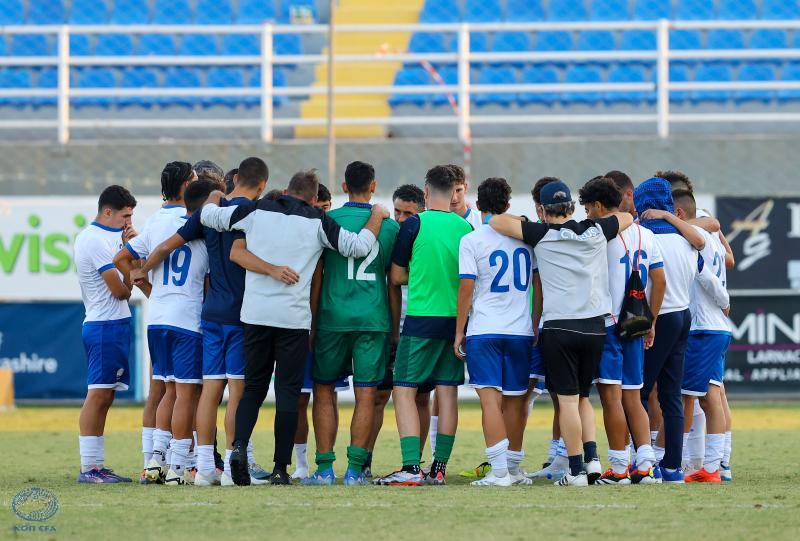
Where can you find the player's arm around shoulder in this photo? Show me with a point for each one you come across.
(252, 263)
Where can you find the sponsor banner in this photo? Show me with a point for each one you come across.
(765, 353)
(765, 236)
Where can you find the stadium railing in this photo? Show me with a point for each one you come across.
(463, 57)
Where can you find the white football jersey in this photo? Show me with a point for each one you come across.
(178, 283)
(706, 312)
(473, 216)
(680, 268)
(95, 248)
(503, 269)
(634, 245)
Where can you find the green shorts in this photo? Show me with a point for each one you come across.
(362, 354)
(420, 360)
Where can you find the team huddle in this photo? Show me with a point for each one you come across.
(246, 291)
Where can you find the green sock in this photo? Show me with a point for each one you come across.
(409, 448)
(444, 446)
(325, 460)
(356, 458)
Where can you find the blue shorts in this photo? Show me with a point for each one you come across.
(704, 362)
(622, 362)
(308, 383)
(108, 345)
(537, 363)
(499, 361)
(223, 351)
(176, 354)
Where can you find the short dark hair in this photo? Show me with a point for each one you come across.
(537, 188)
(197, 193)
(304, 185)
(208, 170)
(358, 176)
(458, 173)
(411, 193)
(600, 190)
(685, 200)
(441, 178)
(229, 186)
(323, 193)
(622, 180)
(173, 176)
(493, 195)
(272, 195)
(116, 197)
(560, 209)
(252, 172)
(676, 177)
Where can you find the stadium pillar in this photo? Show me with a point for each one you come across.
(63, 85)
(330, 111)
(266, 83)
(463, 84)
(662, 78)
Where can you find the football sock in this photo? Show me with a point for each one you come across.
(515, 458)
(251, 457)
(618, 460)
(170, 447)
(160, 443)
(497, 455)
(100, 451)
(653, 437)
(87, 446)
(659, 452)
(147, 444)
(205, 459)
(433, 432)
(685, 452)
(631, 453)
(561, 450)
(726, 453)
(645, 457)
(356, 457)
(444, 447)
(552, 451)
(715, 444)
(180, 455)
(575, 464)
(589, 451)
(409, 450)
(697, 439)
(227, 468)
(325, 460)
(301, 453)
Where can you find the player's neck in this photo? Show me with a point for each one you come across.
(249, 193)
(462, 210)
(610, 211)
(438, 204)
(104, 221)
(173, 202)
(485, 217)
(359, 198)
(556, 219)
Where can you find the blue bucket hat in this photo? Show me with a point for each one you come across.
(655, 193)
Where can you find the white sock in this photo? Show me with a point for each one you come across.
(515, 458)
(170, 448)
(659, 452)
(191, 461)
(697, 437)
(100, 451)
(87, 446)
(685, 450)
(194, 439)
(251, 457)
(433, 431)
(715, 444)
(205, 459)
(618, 460)
(161, 440)
(534, 396)
(497, 455)
(552, 450)
(645, 457)
(561, 450)
(301, 454)
(147, 444)
(631, 452)
(180, 454)
(227, 467)
(726, 453)
(653, 437)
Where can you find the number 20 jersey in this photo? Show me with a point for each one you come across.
(503, 269)
(178, 283)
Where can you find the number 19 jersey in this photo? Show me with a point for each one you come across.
(502, 268)
(354, 290)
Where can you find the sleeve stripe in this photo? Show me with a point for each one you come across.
(467, 276)
(657, 265)
(132, 251)
(104, 268)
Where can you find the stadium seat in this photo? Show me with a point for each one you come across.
(172, 12)
(411, 77)
(780, 9)
(478, 42)
(440, 11)
(14, 78)
(694, 10)
(11, 12)
(610, 10)
(214, 12)
(198, 44)
(3, 46)
(638, 40)
(539, 75)
(157, 45)
(48, 78)
(583, 74)
(450, 77)
(130, 12)
(95, 78)
(596, 40)
(113, 45)
(427, 42)
(278, 80)
(725, 39)
(768, 39)
(566, 10)
(709, 73)
(224, 77)
(79, 45)
(482, 11)
(650, 10)
(629, 74)
(241, 44)
(181, 78)
(288, 7)
(790, 73)
(557, 40)
(513, 42)
(138, 77)
(45, 12)
(496, 76)
(737, 9)
(32, 45)
(524, 11)
(685, 39)
(755, 72)
(677, 74)
(88, 12)
(255, 11)
(287, 44)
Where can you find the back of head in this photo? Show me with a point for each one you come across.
(304, 185)
(358, 176)
(678, 180)
(600, 190)
(197, 193)
(684, 200)
(537, 188)
(229, 186)
(208, 170)
(441, 179)
(653, 193)
(323, 193)
(459, 176)
(411, 193)
(252, 172)
(494, 195)
(619, 178)
(116, 197)
(273, 195)
(556, 199)
(173, 176)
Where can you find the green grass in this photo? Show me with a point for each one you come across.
(763, 502)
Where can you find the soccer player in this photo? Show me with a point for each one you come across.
(277, 316)
(229, 176)
(408, 201)
(106, 327)
(208, 170)
(621, 370)
(458, 203)
(223, 334)
(324, 202)
(426, 259)
(573, 267)
(496, 274)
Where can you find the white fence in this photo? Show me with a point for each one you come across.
(660, 117)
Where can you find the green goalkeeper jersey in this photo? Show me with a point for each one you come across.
(354, 293)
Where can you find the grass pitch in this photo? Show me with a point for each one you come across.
(40, 449)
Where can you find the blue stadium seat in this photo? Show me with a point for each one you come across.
(96, 78)
(48, 78)
(450, 77)
(214, 12)
(725, 39)
(79, 45)
(113, 45)
(596, 40)
(287, 44)
(765, 38)
(278, 80)
(482, 11)
(138, 77)
(172, 12)
(583, 74)
(650, 10)
(755, 72)
(198, 44)
(524, 11)
(440, 11)
(290, 6)
(255, 11)
(427, 42)
(45, 12)
(694, 10)
(539, 75)
(780, 9)
(224, 77)
(685, 39)
(715, 73)
(2, 46)
(478, 42)
(566, 10)
(629, 74)
(181, 78)
(130, 12)
(638, 40)
(610, 10)
(557, 40)
(32, 45)
(88, 12)
(737, 9)
(790, 73)
(511, 42)
(16, 78)
(241, 44)
(677, 74)
(11, 12)
(411, 77)
(157, 45)
(496, 76)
